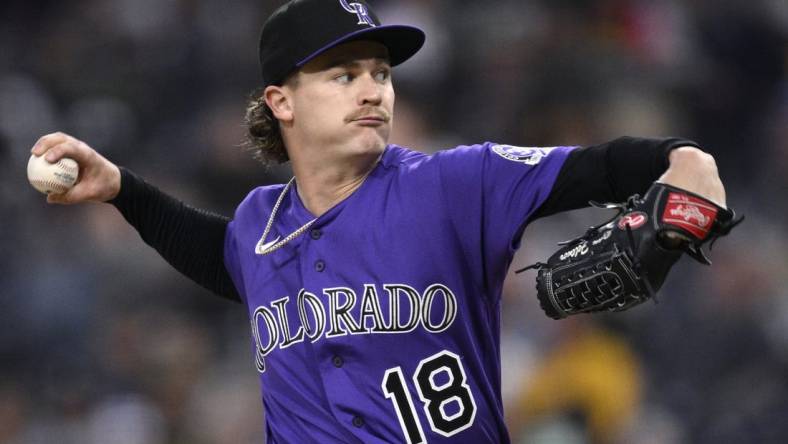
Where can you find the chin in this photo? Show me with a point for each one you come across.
(372, 145)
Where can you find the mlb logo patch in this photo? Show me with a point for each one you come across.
(522, 154)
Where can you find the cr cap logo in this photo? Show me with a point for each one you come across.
(360, 11)
(526, 155)
(635, 220)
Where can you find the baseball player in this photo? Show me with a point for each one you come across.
(373, 278)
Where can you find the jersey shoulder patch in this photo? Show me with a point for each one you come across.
(522, 154)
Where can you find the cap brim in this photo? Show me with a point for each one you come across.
(402, 42)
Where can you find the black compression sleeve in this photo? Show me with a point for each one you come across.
(191, 240)
(610, 172)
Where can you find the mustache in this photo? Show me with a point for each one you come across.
(369, 112)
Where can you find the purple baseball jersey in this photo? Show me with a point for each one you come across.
(381, 323)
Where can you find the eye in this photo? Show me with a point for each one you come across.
(344, 78)
(382, 75)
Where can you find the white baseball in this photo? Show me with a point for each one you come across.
(52, 178)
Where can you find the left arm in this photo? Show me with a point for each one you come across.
(613, 171)
(624, 261)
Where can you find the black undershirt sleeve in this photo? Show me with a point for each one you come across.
(190, 239)
(610, 172)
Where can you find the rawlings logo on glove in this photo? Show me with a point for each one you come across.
(624, 261)
(693, 214)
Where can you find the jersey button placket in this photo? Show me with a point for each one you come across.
(338, 361)
(315, 233)
(320, 265)
(358, 421)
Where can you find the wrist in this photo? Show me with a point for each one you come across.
(696, 171)
(117, 175)
(114, 183)
(690, 154)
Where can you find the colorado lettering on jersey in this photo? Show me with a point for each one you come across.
(332, 315)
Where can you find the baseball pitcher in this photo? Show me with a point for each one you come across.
(373, 278)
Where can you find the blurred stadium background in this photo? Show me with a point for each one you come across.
(101, 342)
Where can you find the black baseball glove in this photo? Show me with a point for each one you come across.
(624, 261)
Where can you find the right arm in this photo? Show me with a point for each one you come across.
(190, 239)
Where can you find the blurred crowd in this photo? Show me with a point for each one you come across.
(102, 342)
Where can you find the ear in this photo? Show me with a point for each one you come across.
(279, 100)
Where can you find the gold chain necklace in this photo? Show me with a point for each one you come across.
(264, 248)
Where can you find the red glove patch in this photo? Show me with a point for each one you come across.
(690, 213)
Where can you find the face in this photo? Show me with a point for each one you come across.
(342, 101)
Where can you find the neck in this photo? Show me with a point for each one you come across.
(322, 185)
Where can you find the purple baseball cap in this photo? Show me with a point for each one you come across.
(301, 30)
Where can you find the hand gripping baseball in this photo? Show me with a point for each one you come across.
(624, 262)
(99, 179)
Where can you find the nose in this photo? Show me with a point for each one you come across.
(371, 91)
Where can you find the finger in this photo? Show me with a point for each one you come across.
(46, 142)
(70, 148)
(673, 240)
(81, 192)
(57, 199)
(57, 151)
(77, 193)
